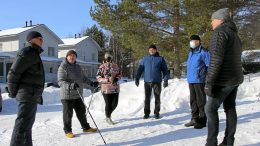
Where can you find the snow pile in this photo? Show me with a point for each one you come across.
(131, 128)
(251, 56)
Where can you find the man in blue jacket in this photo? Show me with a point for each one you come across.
(152, 65)
(197, 64)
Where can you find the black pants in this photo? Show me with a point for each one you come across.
(227, 96)
(148, 91)
(111, 101)
(80, 109)
(22, 132)
(197, 102)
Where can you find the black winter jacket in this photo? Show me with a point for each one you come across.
(225, 67)
(26, 77)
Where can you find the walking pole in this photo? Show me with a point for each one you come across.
(91, 98)
(91, 117)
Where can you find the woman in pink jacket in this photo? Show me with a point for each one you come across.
(108, 76)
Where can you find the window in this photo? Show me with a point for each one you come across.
(51, 51)
(1, 47)
(1, 69)
(51, 70)
(93, 56)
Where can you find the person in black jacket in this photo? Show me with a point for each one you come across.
(224, 76)
(26, 83)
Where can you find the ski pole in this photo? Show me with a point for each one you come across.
(91, 98)
(91, 117)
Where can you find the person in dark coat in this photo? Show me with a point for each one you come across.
(197, 64)
(224, 76)
(152, 65)
(70, 80)
(25, 82)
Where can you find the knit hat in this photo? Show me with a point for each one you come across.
(195, 37)
(33, 34)
(71, 52)
(152, 46)
(107, 55)
(221, 14)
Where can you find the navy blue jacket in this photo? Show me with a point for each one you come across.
(153, 66)
(197, 64)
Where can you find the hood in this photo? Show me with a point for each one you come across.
(230, 24)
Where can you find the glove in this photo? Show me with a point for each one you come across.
(115, 80)
(208, 90)
(137, 83)
(9, 94)
(74, 86)
(165, 84)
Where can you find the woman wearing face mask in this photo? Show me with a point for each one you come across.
(197, 64)
(108, 75)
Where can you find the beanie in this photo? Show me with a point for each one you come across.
(33, 34)
(195, 37)
(152, 46)
(71, 52)
(108, 55)
(221, 14)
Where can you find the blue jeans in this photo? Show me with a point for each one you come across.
(227, 96)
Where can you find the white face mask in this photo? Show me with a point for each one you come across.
(192, 44)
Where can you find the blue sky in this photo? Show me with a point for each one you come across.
(64, 17)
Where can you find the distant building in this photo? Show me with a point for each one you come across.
(55, 49)
(87, 50)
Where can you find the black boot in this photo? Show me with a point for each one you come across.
(146, 116)
(157, 116)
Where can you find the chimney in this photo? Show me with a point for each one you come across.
(75, 36)
(26, 22)
(79, 35)
(30, 22)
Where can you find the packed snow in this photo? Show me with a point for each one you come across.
(131, 128)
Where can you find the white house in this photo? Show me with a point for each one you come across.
(87, 50)
(13, 39)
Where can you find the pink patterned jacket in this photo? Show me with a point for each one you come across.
(108, 75)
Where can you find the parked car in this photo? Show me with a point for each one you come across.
(251, 61)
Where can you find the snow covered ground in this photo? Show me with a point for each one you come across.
(131, 128)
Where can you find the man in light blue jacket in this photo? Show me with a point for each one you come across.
(153, 66)
(197, 64)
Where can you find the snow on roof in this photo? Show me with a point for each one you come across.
(10, 54)
(50, 59)
(14, 31)
(73, 41)
(84, 62)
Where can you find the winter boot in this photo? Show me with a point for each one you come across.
(199, 124)
(157, 116)
(190, 123)
(146, 116)
(109, 121)
(90, 130)
(70, 135)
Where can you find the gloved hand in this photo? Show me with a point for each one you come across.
(165, 84)
(208, 90)
(74, 86)
(137, 83)
(9, 94)
(115, 80)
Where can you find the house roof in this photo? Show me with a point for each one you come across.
(14, 31)
(17, 31)
(70, 42)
